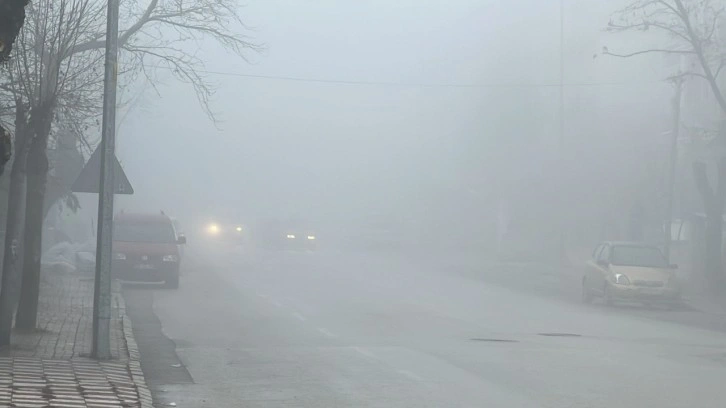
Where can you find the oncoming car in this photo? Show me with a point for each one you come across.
(627, 271)
(229, 232)
(300, 239)
(286, 235)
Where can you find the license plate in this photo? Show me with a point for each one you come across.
(145, 266)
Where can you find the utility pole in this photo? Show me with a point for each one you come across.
(102, 286)
(673, 162)
(561, 147)
(562, 78)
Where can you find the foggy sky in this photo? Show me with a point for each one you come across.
(320, 149)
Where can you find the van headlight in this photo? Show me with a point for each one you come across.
(311, 237)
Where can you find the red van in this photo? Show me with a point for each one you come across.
(146, 248)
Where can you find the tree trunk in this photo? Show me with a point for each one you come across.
(713, 202)
(13, 231)
(37, 168)
(5, 148)
(714, 241)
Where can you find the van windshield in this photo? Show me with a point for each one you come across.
(149, 232)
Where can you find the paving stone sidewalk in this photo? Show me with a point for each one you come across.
(49, 367)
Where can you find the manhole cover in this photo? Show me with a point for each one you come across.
(559, 334)
(496, 340)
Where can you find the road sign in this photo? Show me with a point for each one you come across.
(88, 180)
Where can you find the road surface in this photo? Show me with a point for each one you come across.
(335, 329)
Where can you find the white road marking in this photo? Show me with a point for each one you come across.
(411, 375)
(262, 296)
(275, 303)
(327, 332)
(298, 316)
(365, 353)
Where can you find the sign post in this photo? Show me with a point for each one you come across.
(101, 348)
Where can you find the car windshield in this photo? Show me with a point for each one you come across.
(151, 232)
(638, 256)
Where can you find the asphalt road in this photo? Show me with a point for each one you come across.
(333, 329)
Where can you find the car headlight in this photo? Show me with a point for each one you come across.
(118, 256)
(290, 236)
(239, 229)
(170, 258)
(621, 279)
(311, 237)
(213, 229)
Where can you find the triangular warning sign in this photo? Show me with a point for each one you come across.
(88, 180)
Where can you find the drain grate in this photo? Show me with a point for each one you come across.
(559, 334)
(496, 340)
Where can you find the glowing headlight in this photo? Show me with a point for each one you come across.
(621, 279)
(170, 258)
(239, 229)
(290, 236)
(119, 256)
(213, 229)
(311, 237)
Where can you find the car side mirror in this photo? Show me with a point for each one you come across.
(673, 266)
(181, 240)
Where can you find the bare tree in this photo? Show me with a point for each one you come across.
(43, 77)
(12, 17)
(58, 64)
(690, 28)
(16, 197)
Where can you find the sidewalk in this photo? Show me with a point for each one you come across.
(49, 367)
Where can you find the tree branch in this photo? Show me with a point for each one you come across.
(650, 51)
(123, 38)
(687, 74)
(714, 25)
(698, 48)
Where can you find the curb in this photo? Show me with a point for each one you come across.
(132, 351)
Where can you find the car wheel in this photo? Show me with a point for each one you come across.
(607, 296)
(586, 294)
(172, 282)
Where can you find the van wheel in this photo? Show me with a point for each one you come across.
(586, 294)
(172, 282)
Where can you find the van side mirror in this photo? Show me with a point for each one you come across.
(181, 240)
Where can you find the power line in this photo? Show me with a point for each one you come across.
(428, 85)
